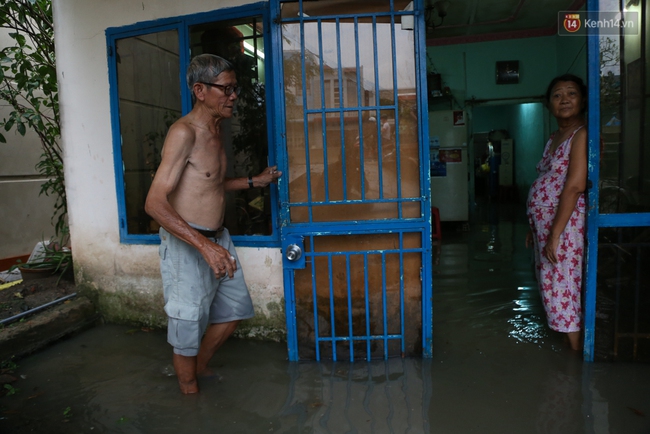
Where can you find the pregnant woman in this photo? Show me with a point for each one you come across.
(556, 209)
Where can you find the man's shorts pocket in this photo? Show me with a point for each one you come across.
(182, 311)
(183, 328)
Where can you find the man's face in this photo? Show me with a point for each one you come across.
(215, 97)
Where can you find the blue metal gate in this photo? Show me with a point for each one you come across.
(355, 202)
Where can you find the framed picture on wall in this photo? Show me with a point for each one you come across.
(508, 72)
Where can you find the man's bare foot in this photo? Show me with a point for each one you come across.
(189, 387)
(185, 368)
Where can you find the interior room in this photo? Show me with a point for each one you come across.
(468, 66)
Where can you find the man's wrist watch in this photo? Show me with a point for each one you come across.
(250, 182)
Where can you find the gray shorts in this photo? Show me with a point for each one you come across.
(194, 296)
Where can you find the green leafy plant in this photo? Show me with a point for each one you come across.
(67, 413)
(8, 365)
(28, 84)
(11, 390)
(56, 259)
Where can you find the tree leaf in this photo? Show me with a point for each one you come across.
(28, 86)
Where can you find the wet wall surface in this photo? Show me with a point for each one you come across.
(496, 369)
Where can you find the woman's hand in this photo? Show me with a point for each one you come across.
(550, 249)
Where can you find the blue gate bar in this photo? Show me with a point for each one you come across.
(425, 188)
(323, 115)
(367, 304)
(593, 134)
(315, 299)
(384, 302)
(339, 76)
(332, 319)
(380, 153)
(401, 291)
(359, 98)
(349, 285)
(396, 105)
(305, 116)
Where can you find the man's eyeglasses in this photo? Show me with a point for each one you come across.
(228, 90)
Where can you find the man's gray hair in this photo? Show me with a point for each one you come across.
(205, 67)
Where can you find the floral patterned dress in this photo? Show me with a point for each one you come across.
(560, 284)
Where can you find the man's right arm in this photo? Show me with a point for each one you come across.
(175, 156)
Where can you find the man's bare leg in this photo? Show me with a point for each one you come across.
(185, 368)
(214, 337)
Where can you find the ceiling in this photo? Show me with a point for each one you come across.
(465, 21)
(469, 21)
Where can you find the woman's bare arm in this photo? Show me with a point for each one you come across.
(574, 186)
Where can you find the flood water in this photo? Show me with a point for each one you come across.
(496, 369)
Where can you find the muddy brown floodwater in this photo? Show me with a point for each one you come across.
(112, 379)
(496, 369)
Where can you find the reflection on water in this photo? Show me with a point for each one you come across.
(528, 320)
(390, 396)
(559, 409)
(527, 329)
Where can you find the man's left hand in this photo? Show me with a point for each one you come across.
(268, 175)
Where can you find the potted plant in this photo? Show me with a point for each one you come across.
(54, 259)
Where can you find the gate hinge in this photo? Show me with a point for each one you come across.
(109, 50)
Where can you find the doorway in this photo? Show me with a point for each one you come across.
(507, 141)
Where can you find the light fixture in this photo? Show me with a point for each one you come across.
(248, 47)
(432, 9)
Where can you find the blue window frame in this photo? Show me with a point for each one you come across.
(147, 64)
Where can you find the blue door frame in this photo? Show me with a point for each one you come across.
(306, 233)
(595, 220)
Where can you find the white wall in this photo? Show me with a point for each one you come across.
(25, 215)
(126, 276)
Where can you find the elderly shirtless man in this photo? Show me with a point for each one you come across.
(204, 286)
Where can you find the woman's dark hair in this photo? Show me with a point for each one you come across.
(568, 77)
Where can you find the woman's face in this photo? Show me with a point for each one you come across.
(566, 100)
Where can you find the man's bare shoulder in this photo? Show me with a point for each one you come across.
(180, 140)
(182, 132)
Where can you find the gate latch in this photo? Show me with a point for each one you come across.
(292, 249)
(294, 252)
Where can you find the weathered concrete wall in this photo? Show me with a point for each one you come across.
(124, 279)
(25, 215)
